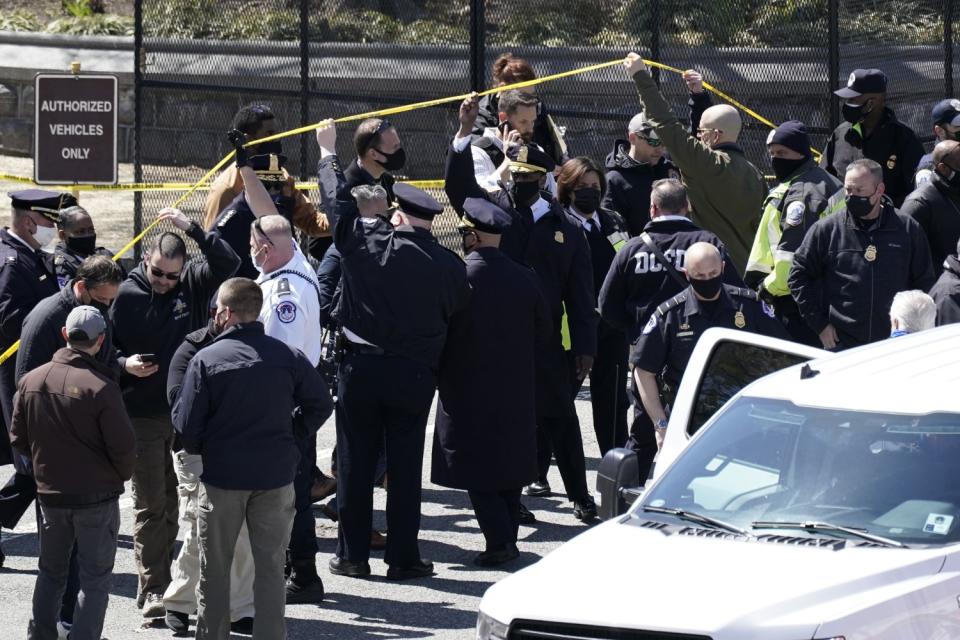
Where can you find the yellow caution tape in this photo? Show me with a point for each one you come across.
(423, 184)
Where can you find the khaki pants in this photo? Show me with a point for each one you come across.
(269, 517)
(154, 503)
(181, 594)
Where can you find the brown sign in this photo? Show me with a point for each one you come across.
(76, 129)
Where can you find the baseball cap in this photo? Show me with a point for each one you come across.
(863, 81)
(84, 324)
(947, 112)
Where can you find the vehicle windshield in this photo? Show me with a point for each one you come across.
(762, 460)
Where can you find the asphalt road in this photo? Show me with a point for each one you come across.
(444, 606)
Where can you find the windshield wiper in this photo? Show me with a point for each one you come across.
(699, 518)
(826, 527)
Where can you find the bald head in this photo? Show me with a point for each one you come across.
(271, 242)
(948, 152)
(723, 124)
(703, 261)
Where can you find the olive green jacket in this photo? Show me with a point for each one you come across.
(725, 190)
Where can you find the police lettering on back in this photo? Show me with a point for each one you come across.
(646, 262)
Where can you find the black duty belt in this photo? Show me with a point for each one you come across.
(363, 349)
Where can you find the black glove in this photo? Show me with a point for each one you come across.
(238, 139)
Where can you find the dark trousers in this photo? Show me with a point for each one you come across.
(382, 400)
(608, 390)
(303, 536)
(498, 514)
(560, 436)
(642, 439)
(94, 532)
(786, 311)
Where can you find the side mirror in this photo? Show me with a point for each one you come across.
(618, 469)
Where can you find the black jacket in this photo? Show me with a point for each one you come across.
(192, 343)
(66, 262)
(26, 278)
(492, 341)
(935, 205)
(41, 337)
(892, 144)
(629, 183)
(636, 282)
(946, 292)
(329, 272)
(236, 405)
(147, 322)
(399, 285)
(847, 276)
(353, 176)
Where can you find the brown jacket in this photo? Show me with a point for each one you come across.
(69, 418)
(229, 185)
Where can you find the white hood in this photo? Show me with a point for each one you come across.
(619, 575)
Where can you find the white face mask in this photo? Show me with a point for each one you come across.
(253, 259)
(46, 237)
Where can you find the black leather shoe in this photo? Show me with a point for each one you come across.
(538, 488)
(243, 626)
(177, 622)
(585, 510)
(341, 567)
(526, 516)
(421, 569)
(304, 589)
(497, 557)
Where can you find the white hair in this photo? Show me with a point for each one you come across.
(914, 310)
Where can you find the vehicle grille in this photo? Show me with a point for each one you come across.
(533, 630)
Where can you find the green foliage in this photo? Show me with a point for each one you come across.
(93, 25)
(18, 20)
(78, 8)
(524, 22)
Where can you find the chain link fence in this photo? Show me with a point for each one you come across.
(201, 60)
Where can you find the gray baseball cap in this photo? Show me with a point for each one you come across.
(85, 324)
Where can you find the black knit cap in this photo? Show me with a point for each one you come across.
(793, 135)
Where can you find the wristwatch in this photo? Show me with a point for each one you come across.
(661, 425)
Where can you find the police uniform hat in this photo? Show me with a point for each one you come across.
(269, 167)
(416, 202)
(46, 203)
(529, 158)
(793, 135)
(485, 216)
(863, 81)
(947, 112)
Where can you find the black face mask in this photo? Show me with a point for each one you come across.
(708, 287)
(587, 200)
(393, 161)
(82, 245)
(783, 168)
(272, 146)
(855, 113)
(859, 206)
(526, 193)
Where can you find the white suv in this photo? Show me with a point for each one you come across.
(820, 502)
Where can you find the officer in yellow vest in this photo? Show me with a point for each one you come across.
(790, 209)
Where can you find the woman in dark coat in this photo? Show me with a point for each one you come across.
(485, 437)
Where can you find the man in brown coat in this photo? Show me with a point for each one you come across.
(70, 421)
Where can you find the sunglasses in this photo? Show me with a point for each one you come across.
(157, 273)
(653, 142)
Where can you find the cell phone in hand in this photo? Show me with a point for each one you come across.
(148, 358)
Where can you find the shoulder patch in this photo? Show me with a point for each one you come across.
(286, 312)
(922, 177)
(283, 287)
(794, 214)
(767, 309)
(651, 324)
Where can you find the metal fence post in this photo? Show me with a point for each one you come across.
(948, 49)
(138, 60)
(304, 83)
(833, 60)
(654, 27)
(478, 27)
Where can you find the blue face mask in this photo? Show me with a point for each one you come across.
(898, 332)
